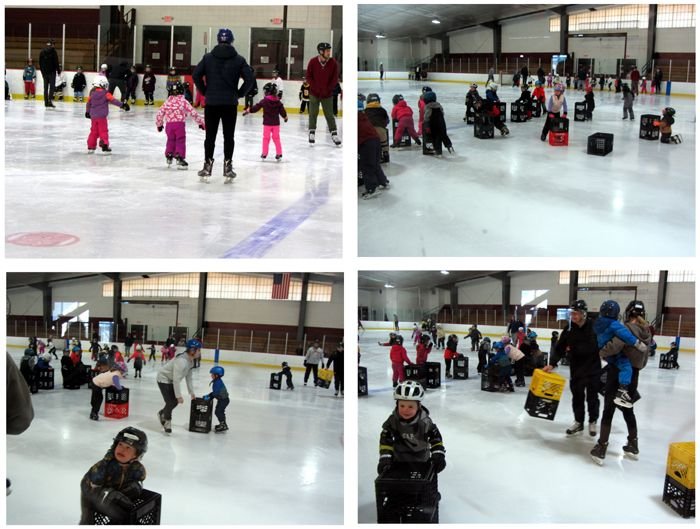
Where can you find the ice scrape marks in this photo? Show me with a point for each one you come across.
(41, 238)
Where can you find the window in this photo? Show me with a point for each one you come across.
(592, 277)
(319, 292)
(675, 16)
(238, 286)
(162, 286)
(617, 17)
(68, 308)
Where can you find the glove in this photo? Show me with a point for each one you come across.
(201, 127)
(656, 123)
(384, 465)
(126, 107)
(550, 116)
(132, 490)
(438, 460)
(285, 120)
(160, 129)
(87, 115)
(304, 363)
(206, 397)
(564, 115)
(115, 503)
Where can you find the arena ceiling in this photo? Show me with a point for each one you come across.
(419, 279)
(397, 21)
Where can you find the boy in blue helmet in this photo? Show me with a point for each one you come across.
(218, 392)
(169, 377)
(608, 327)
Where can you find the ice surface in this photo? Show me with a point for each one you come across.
(519, 196)
(131, 205)
(504, 466)
(281, 462)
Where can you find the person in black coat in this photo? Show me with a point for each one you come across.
(540, 75)
(579, 342)
(48, 64)
(590, 103)
(222, 67)
(337, 358)
(524, 73)
(117, 79)
(253, 91)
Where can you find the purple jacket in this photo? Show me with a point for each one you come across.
(98, 103)
(272, 110)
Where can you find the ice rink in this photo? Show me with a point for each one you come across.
(281, 462)
(519, 196)
(504, 466)
(62, 202)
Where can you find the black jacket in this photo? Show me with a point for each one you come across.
(48, 61)
(223, 68)
(120, 72)
(581, 345)
(79, 83)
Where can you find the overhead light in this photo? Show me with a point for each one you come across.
(435, 21)
(388, 285)
(522, 56)
(380, 36)
(444, 272)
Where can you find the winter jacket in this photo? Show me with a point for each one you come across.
(173, 371)
(414, 440)
(401, 110)
(108, 379)
(581, 346)
(29, 73)
(218, 389)
(627, 99)
(20, 412)
(272, 109)
(637, 358)
(322, 77)
(398, 355)
(132, 80)
(440, 333)
(175, 110)
(434, 119)
(474, 334)
(514, 353)
(109, 473)
(590, 101)
(79, 83)
(471, 98)
(538, 94)
(48, 61)
(98, 102)
(138, 358)
(365, 129)
(451, 349)
(148, 85)
(607, 328)
(337, 359)
(120, 72)
(223, 68)
(557, 104)
(377, 115)
(525, 97)
(314, 356)
(304, 92)
(422, 352)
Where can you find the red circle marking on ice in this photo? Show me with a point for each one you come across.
(42, 238)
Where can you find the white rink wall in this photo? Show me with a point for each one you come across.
(494, 332)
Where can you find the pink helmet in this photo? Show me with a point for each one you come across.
(559, 87)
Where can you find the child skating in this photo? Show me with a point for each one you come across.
(434, 124)
(29, 78)
(403, 114)
(97, 110)
(218, 392)
(78, 84)
(627, 102)
(287, 373)
(273, 109)
(173, 113)
(148, 85)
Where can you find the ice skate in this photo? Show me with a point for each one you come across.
(229, 173)
(335, 139)
(575, 428)
(205, 173)
(181, 163)
(505, 131)
(161, 418)
(385, 186)
(263, 156)
(167, 427)
(676, 138)
(312, 136)
(418, 141)
(221, 427)
(94, 416)
(598, 452)
(278, 157)
(631, 449)
(91, 151)
(106, 149)
(592, 429)
(450, 149)
(169, 159)
(623, 398)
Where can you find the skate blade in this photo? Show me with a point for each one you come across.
(228, 180)
(633, 457)
(179, 168)
(204, 179)
(598, 460)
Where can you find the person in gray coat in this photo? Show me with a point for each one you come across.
(314, 357)
(169, 378)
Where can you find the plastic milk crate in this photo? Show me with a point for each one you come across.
(362, 385)
(600, 144)
(417, 373)
(116, 403)
(518, 112)
(471, 115)
(536, 108)
(461, 369)
(433, 374)
(45, 378)
(558, 139)
(200, 415)
(545, 391)
(275, 381)
(146, 511)
(405, 140)
(502, 112)
(680, 463)
(324, 378)
(428, 145)
(483, 127)
(485, 379)
(580, 111)
(647, 129)
(560, 124)
(407, 493)
(681, 499)
(664, 361)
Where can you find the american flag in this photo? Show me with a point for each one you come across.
(280, 285)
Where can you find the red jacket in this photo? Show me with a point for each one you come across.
(538, 94)
(422, 352)
(401, 110)
(365, 129)
(450, 354)
(322, 77)
(398, 355)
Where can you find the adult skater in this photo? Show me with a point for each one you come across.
(223, 68)
(169, 378)
(314, 356)
(322, 75)
(658, 77)
(636, 323)
(579, 343)
(48, 64)
(117, 79)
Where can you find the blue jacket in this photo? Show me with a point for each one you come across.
(218, 390)
(223, 69)
(607, 328)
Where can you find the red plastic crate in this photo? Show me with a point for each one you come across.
(559, 139)
(117, 411)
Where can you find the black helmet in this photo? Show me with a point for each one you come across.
(176, 88)
(579, 306)
(373, 98)
(323, 46)
(133, 437)
(635, 308)
(270, 89)
(426, 89)
(397, 98)
(399, 339)
(670, 111)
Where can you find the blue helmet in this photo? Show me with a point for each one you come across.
(610, 309)
(224, 35)
(194, 344)
(497, 346)
(429, 97)
(217, 370)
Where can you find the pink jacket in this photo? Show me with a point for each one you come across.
(175, 109)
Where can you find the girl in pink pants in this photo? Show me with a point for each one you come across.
(174, 113)
(272, 110)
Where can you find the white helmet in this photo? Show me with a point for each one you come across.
(493, 86)
(104, 67)
(409, 390)
(46, 357)
(100, 82)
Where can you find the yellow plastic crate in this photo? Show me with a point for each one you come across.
(325, 374)
(680, 464)
(547, 385)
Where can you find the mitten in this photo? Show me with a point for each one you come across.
(384, 465)
(550, 116)
(201, 127)
(114, 503)
(438, 460)
(87, 115)
(160, 129)
(132, 490)
(126, 107)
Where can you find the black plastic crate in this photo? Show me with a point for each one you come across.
(461, 367)
(518, 112)
(200, 415)
(417, 372)
(502, 114)
(116, 396)
(433, 374)
(275, 381)
(536, 108)
(646, 121)
(647, 129)
(681, 499)
(483, 127)
(485, 379)
(559, 124)
(540, 407)
(471, 115)
(664, 361)
(407, 493)
(405, 137)
(580, 111)
(44, 378)
(362, 385)
(386, 157)
(146, 511)
(600, 143)
(428, 146)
